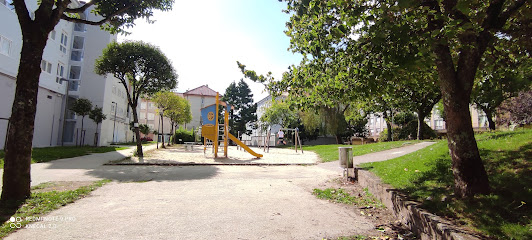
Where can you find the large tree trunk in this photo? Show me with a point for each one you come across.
(470, 177)
(420, 119)
(491, 123)
(17, 160)
(140, 154)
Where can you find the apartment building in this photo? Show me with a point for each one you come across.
(67, 74)
(199, 98)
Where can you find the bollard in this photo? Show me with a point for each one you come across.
(345, 155)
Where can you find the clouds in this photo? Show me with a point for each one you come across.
(204, 39)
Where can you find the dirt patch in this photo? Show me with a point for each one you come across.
(387, 225)
(60, 186)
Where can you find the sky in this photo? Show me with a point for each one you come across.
(204, 39)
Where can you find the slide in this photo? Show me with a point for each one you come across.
(234, 139)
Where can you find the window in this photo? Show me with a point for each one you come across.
(151, 106)
(52, 34)
(60, 72)
(76, 55)
(73, 86)
(151, 116)
(143, 105)
(46, 66)
(79, 27)
(8, 4)
(5, 46)
(75, 72)
(151, 126)
(64, 42)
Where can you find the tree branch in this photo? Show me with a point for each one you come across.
(82, 8)
(77, 20)
(22, 13)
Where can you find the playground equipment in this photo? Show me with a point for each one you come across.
(214, 133)
(265, 143)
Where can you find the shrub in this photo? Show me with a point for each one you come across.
(182, 135)
(411, 130)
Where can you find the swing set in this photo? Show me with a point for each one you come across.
(297, 139)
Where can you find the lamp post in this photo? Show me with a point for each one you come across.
(114, 122)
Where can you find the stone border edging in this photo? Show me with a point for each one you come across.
(426, 225)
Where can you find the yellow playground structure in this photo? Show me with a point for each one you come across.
(213, 132)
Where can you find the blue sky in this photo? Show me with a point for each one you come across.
(204, 39)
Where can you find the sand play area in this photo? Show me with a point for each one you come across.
(179, 155)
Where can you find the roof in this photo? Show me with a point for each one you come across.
(201, 91)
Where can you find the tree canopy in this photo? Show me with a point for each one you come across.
(240, 97)
(141, 68)
(353, 48)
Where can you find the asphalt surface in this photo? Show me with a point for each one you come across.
(198, 202)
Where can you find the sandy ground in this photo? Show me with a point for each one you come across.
(177, 154)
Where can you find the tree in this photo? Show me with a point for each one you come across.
(179, 114)
(279, 113)
(144, 129)
(97, 116)
(165, 102)
(141, 68)
(516, 110)
(35, 29)
(501, 76)
(82, 107)
(373, 35)
(240, 97)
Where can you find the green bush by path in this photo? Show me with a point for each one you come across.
(182, 135)
(47, 154)
(426, 176)
(329, 153)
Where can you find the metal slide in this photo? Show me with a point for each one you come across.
(244, 146)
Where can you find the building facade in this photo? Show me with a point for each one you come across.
(199, 98)
(67, 74)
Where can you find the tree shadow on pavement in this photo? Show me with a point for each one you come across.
(128, 173)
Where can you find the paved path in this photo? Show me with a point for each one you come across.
(198, 202)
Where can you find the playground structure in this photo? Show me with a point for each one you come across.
(265, 143)
(213, 132)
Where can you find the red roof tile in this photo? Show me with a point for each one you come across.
(202, 91)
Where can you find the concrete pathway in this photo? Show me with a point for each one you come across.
(198, 202)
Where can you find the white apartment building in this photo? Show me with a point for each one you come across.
(70, 54)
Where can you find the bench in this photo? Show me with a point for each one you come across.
(189, 146)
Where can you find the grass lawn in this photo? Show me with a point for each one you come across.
(39, 204)
(329, 153)
(506, 213)
(53, 153)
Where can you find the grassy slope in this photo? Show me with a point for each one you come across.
(41, 203)
(426, 176)
(53, 153)
(329, 153)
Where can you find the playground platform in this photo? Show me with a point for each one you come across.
(179, 155)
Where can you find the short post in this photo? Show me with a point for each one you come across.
(345, 155)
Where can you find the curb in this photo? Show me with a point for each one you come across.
(425, 224)
(211, 164)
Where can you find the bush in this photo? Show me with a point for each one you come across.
(182, 135)
(410, 131)
(383, 137)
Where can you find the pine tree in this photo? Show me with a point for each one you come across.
(240, 97)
